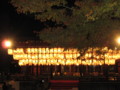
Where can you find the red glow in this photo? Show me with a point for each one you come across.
(6, 44)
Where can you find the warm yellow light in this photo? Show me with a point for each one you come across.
(57, 56)
(118, 40)
(10, 51)
(8, 43)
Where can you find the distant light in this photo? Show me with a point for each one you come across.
(118, 40)
(6, 44)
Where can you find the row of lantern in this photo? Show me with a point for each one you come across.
(48, 62)
(105, 56)
(56, 50)
(41, 50)
(45, 56)
(48, 56)
(62, 56)
(65, 62)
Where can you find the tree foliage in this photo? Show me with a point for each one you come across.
(76, 23)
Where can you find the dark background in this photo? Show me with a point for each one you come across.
(16, 26)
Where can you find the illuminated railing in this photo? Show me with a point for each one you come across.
(61, 56)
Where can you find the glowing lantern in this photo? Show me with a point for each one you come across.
(10, 51)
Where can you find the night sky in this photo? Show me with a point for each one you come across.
(16, 26)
